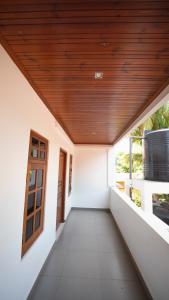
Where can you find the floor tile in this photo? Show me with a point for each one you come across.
(122, 290)
(54, 266)
(79, 289)
(85, 228)
(106, 229)
(47, 288)
(116, 265)
(89, 261)
(84, 242)
(81, 265)
(110, 243)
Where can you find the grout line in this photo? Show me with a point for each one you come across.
(67, 251)
(43, 267)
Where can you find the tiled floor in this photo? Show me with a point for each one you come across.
(89, 262)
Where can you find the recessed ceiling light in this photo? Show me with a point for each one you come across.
(98, 75)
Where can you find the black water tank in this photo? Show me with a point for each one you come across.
(156, 155)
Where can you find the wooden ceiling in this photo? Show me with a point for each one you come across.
(59, 45)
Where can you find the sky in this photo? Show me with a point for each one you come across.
(123, 145)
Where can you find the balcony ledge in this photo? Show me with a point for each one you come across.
(155, 223)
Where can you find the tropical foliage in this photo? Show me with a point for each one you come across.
(136, 197)
(161, 197)
(123, 163)
(159, 120)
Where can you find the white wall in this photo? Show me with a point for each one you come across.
(91, 177)
(147, 241)
(20, 111)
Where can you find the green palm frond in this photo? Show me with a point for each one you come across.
(159, 120)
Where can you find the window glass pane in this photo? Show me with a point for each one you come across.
(29, 228)
(42, 155)
(40, 178)
(161, 207)
(38, 198)
(34, 153)
(42, 145)
(31, 202)
(35, 142)
(32, 180)
(37, 219)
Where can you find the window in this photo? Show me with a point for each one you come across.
(136, 196)
(35, 190)
(70, 174)
(120, 185)
(161, 207)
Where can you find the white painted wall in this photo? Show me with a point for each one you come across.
(20, 111)
(147, 241)
(91, 177)
(147, 189)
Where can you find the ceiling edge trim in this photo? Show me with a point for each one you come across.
(147, 110)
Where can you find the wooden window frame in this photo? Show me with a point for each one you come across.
(70, 173)
(37, 164)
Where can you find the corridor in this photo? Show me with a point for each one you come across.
(89, 262)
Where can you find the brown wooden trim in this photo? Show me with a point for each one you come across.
(65, 182)
(70, 174)
(64, 187)
(34, 164)
(41, 137)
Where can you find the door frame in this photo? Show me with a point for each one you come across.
(64, 187)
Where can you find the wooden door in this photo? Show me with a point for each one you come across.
(61, 188)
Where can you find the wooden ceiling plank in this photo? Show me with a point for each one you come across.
(59, 47)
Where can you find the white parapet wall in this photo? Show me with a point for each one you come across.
(147, 240)
(147, 188)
